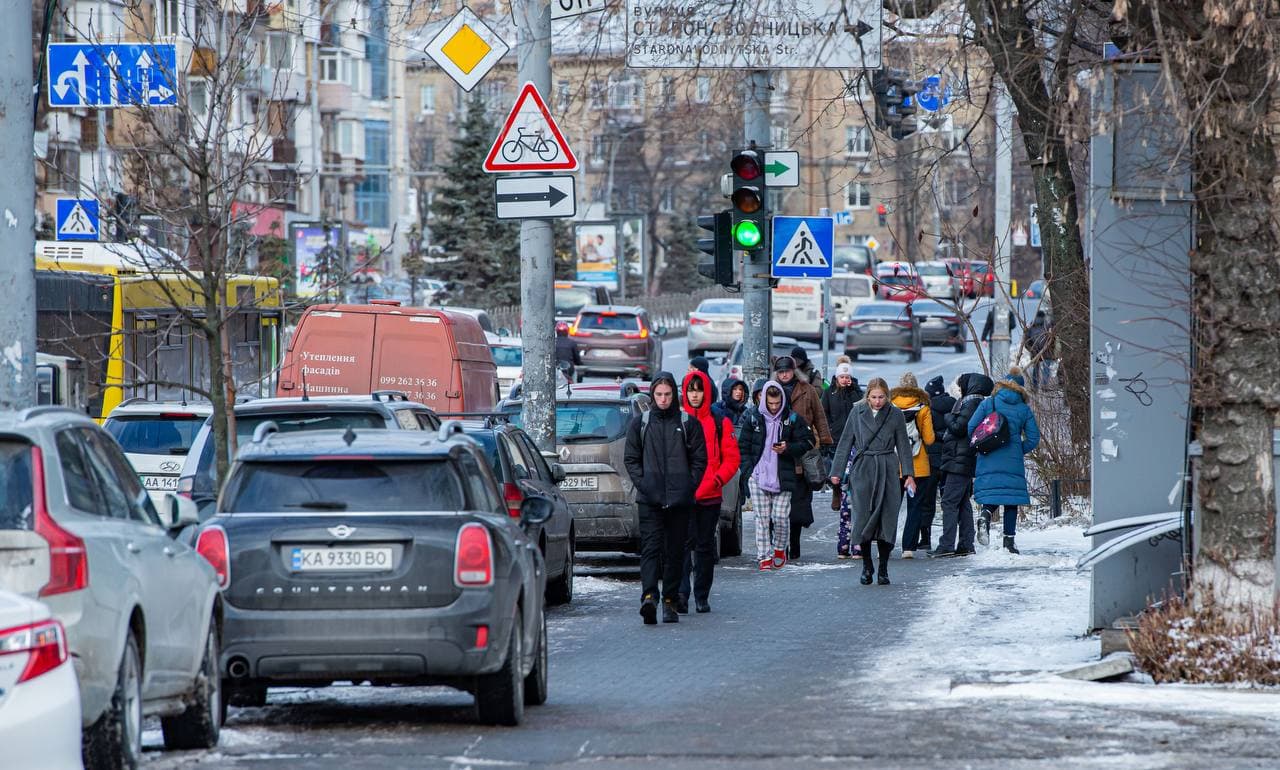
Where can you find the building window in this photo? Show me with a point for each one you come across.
(704, 144)
(198, 97)
(667, 204)
(668, 91)
(859, 196)
(599, 146)
(375, 48)
(280, 51)
(781, 137)
(330, 66)
(169, 17)
(353, 70)
(428, 98)
(857, 141)
(626, 94)
(428, 154)
(346, 138)
(857, 90)
(564, 95)
(64, 169)
(595, 96)
(702, 90)
(953, 138)
(373, 195)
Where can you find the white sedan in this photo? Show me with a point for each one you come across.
(39, 695)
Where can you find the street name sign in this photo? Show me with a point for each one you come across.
(466, 48)
(76, 219)
(803, 247)
(112, 74)
(782, 169)
(535, 197)
(530, 140)
(564, 9)
(767, 34)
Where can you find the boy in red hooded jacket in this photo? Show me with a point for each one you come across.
(722, 464)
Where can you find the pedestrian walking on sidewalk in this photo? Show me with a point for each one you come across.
(940, 405)
(772, 439)
(916, 410)
(837, 402)
(700, 555)
(1002, 473)
(666, 458)
(805, 370)
(877, 432)
(733, 400)
(959, 460)
(806, 402)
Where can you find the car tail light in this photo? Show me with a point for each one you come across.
(514, 497)
(68, 560)
(473, 558)
(904, 324)
(45, 642)
(482, 637)
(574, 331)
(643, 334)
(696, 321)
(186, 487)
(212, 545)
(178, 416)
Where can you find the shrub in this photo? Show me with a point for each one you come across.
(1181, 642)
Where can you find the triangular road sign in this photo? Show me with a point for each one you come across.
(78, 224)
(530, 140)
(802, 250)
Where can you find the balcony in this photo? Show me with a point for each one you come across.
(335, 97)
(284, 151)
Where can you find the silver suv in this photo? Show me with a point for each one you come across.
(142, 611)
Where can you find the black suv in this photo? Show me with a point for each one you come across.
(391, 410)
(374, 555)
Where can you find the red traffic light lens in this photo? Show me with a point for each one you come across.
(747, 200)
(746, 165)
(882, 209)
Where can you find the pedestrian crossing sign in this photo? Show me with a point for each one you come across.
(803, 247)
(76, 220)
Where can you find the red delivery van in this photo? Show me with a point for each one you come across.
(437, 357)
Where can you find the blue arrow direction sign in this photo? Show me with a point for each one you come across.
(803, 247)
(76, 220)
(112, 75)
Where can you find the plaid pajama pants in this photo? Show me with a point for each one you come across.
(770, 508)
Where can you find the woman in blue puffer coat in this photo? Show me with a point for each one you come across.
(1001, 475)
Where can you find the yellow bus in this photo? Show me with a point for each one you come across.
(99, 303)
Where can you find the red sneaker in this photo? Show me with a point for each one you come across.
(779, 558)
(766, 564)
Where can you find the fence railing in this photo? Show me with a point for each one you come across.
(669, 310)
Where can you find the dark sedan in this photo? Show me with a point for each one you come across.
(940, 325)
(373, 555)
(883, 327)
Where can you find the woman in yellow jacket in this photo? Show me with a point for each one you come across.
(914, 404)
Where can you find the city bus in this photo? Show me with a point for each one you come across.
(99, 304)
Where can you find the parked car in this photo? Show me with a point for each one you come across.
(140, 609)
(156, 438)
(938, 280)
(39, 695)
(388, 410)
(439, 357)
(984, 284)
(964, 275)
(854, 258)
(940, 325)
(372, 555)
(899, 281)
(715, 325)
(735, 362)
(883, 327)
(522, 472)
(570, 297)
(849, 291)
(617, 340)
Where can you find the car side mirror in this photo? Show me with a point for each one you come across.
(661, 331)
(535, 511)
(177, 511)
(557, 472)
(522, 473)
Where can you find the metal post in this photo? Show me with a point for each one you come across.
(17, 228)
(827, 331)
(537, 260)
(756, 294)
(1004, 204)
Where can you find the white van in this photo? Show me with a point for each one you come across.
(848, 291)
(797, 309)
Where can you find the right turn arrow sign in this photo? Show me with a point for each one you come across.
(535, 197)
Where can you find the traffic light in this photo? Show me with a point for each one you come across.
(882, 211)
(750, 214)
(719, 247)
(895, 104)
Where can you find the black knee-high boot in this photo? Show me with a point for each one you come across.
(868, 569)
(885, 550)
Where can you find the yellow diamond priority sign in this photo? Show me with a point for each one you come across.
(466, 48)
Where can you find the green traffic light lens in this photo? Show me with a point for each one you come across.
(747, 235)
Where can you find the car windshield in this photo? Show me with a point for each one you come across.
(881, 310)
(927, 307)
(928, 269)
(488, 442)
(570, 299)
(304, 487)
(897, 280)
(578, 421)
(851, 287)
(161, 434)
(853, 259)
(608, 322)
(15, 485)
(722, 306)
(507, 355)
(979, 267)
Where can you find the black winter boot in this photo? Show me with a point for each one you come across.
(1009, 546)
(649, 610)
(885, 550)
(868, 568)
(669, 614)
(682, 604)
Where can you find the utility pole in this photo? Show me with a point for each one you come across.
(17, 228)
(1004, 210)
(756, 294)
(537, 260)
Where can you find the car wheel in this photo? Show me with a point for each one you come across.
(535, 684)
(561, 591)
(500, 695)
(198, 727)
(115, 740)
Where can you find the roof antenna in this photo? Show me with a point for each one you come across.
(349, 436)
(305, 397)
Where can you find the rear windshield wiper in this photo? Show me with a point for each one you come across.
(179, 450)
(320, 505)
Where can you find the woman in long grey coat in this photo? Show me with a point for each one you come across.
(877, 432)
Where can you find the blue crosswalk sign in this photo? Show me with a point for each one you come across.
(803, 247)
(112, 74)
(76, 220)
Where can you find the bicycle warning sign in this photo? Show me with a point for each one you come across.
(530, 140)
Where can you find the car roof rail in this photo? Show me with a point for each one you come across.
(390, 395)
(449, 429)
(134, 400)
(38, 411)
(264, 430)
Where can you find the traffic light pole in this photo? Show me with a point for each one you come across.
(537, 260)
(756, 294)
(17, 231)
